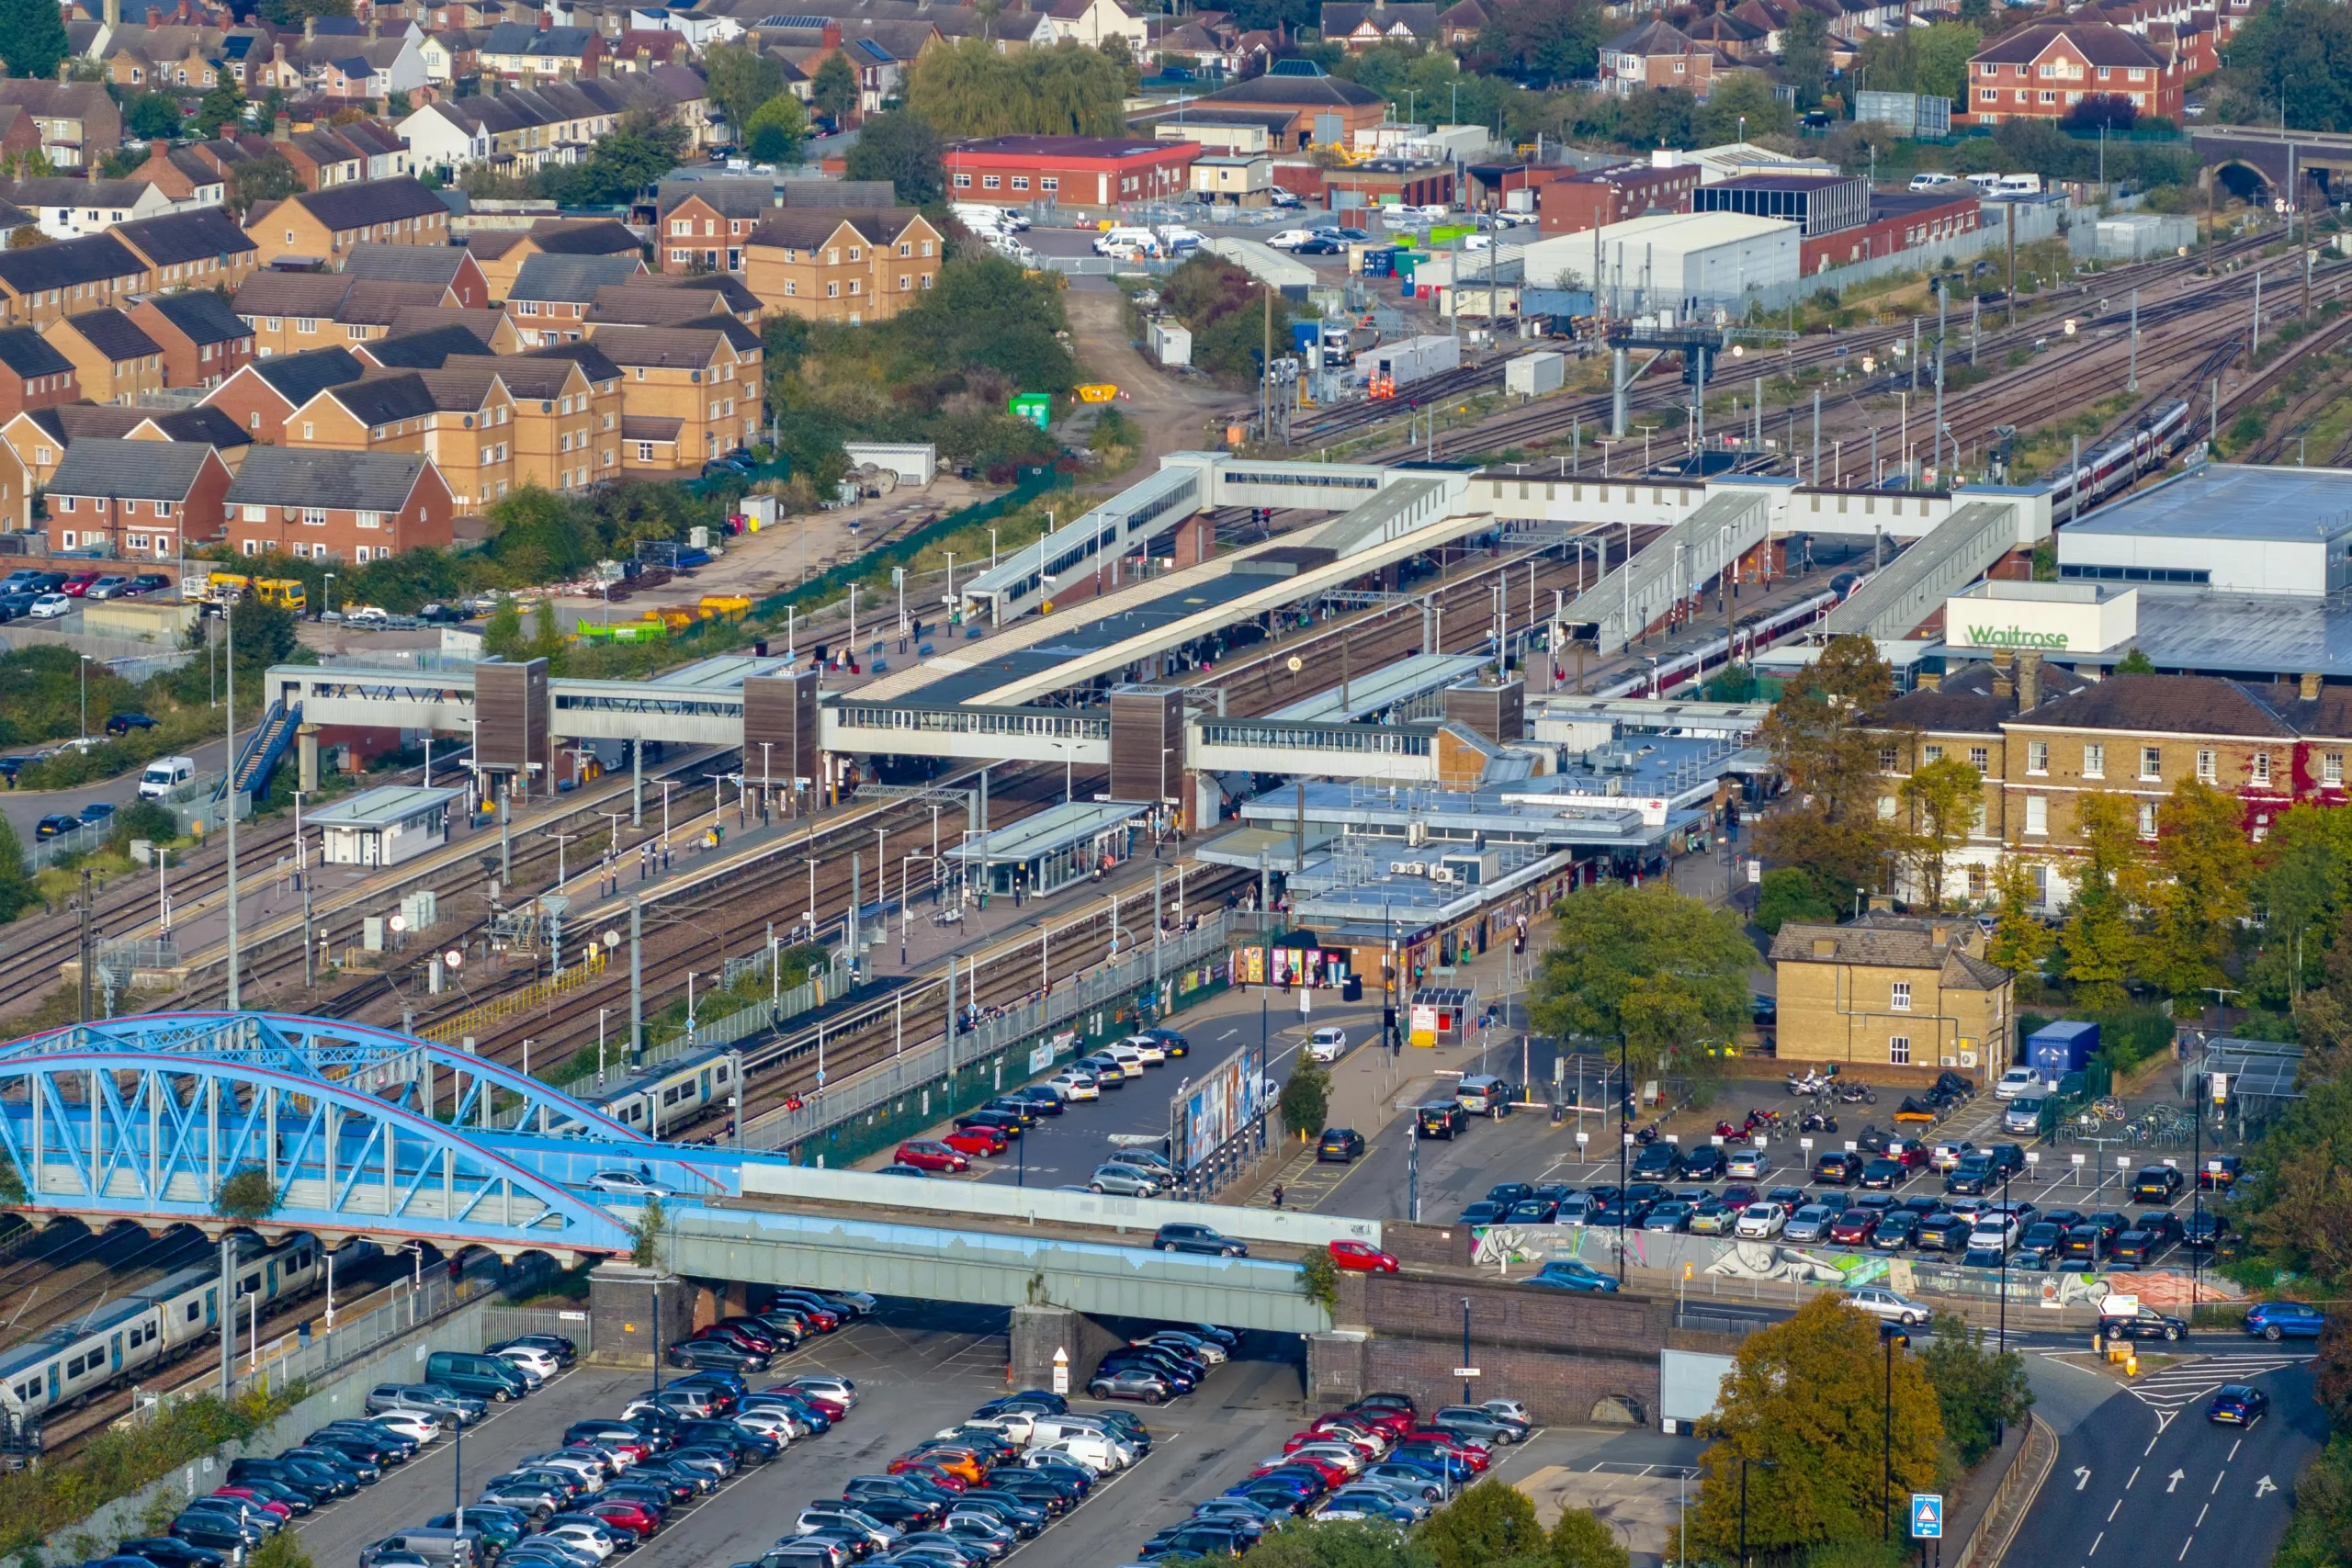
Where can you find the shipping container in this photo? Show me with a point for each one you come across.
(1171, 344)
(1532, 375)
(2057, 1049)
(1411, 359)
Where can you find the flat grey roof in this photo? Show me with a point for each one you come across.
(381, 807)
(1083, 636)
(1378, 688)
(2230, 500)
(2241, 634)
(1073, 822)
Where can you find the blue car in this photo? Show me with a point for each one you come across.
(1567, 1274)
(2285, 1320)
(2238, 1404)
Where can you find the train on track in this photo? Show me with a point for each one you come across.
(1754, 637)
(667, 1094)
(2115, 465)
(156, 1325)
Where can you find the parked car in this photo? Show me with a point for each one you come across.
(1132, 1382)
(929, 1154)
(1339, 1145)
(2156, 1184)
(1122, 1181)
(1568, 1274)
(1188, 1237)
(1361, 1257)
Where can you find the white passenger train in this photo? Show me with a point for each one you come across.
(159, 1324)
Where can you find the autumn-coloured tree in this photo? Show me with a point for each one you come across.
(1942, 803)
(1818, 734)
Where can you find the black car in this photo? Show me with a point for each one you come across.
(215, 1531)
(55, 824)
(2040, 1247)
(2086, 1245)
(1441, 1119)
(1339, 1145)
(1509, 1192)
(1884, 1175)
(2156, 1184)
(2161, 1224)
(1000, 1121)
(1197, 1238)
(1036, 1098)
(716, 1353)
(1320, 245)
(2207, 1232)
(1705, 1163)
(2145, 1323)
(1483, 1212)
(1660, 1161)
(2220, 1172)
(1943, 1232)
(168, 1551)
(124, 723)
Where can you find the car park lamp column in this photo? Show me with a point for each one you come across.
(1624, 1153)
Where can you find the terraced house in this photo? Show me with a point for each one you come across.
(462, 418)
(328, 225)
(48, 282)
(341, 506)
(191, 250)
(140, 498)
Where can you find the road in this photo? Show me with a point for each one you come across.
(2144, 1479)
(24, 808)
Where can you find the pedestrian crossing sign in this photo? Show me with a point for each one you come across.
(1927, 1516)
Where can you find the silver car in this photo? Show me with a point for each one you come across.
(1809, 1224)
(1123, 1181)
(442, 1405)
(1879, 1302)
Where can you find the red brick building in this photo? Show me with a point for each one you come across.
(354, 506)
(1598, 197)
(143, 497)
(1900, 222)
(32, 374)
(1071, 171)
(2041, 71)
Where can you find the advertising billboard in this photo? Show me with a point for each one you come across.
(1216, 1108)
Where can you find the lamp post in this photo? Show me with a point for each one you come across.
(2008, 1217)
(85, 669)
(1625, 1154)
(326, 597)
(1886, 1444)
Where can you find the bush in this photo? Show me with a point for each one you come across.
(247, 1195)
(1305, 1100)
(40, 1504)
(1318, 1279)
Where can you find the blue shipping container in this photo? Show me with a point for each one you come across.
(2057, 1049)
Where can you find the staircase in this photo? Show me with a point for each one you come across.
(260, 753)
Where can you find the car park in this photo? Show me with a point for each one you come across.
(1810, 1223)
(1746, 1164)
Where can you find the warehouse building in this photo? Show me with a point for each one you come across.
(1680, 261)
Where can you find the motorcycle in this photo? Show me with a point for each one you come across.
(1812, 1083)
(1726, 1131)
(1817, 1122)
(1857, 1094)
(1647, 1135)
(1872, 1140)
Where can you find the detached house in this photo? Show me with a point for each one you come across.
(1359, 27)
(1659, 54)
(78, 122)
(1892, 991)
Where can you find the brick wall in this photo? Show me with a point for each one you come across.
(1035, 1333)
(622, 1317)
(1435, 1246)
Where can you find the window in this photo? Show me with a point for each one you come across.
(66, 503)
(2094, 761)
(2262, 767)
(1898, 1050)
(2037, 756)
(2205, 763)
(370, 520)
(1044, 182)
(256, 514)
(1901, 998)
(2147, 820)
(645, 451)
(2331, 767)
(2152, 762)
(1979, 883)
(1980, 757)
(990, 182)
(1887, 808)
(1931, 753)
(1020, 182)
(962, 182)
(2037, 816)
(314, 516)
(1888, 760)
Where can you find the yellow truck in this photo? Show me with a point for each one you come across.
(229, 587)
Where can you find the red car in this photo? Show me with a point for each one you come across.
(1362, 1256)
(930, 1469)
(1473, 1454)
(929, 1154)
(1332, 1475)
(1388, 1418)
(634, 1518)
(976, 1141)
(758, 1344)
(1854, 1227)
(283, 1510)
(78, 585)
(1370, 1431)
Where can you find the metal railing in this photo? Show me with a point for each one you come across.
(1309, 735)
(834, 980)
(308, 1354)
(909, 1071)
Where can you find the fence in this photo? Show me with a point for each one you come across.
(574, 1323)
(478, 1020)
(910, 1072)
(309, 1355)
(810, 994)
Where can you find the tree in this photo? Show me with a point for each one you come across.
(833, 92)
(1306, 1102)
(32, 38)
(294, 13)
(645, 1236)
(17, 889)
(223, 106)
(966, 88)
(154, 114)
(740, 79)
(631, 158)
(247, 1195)
(1818, 734)
(26, 236)
(1335, 1543)
(2208, 870)
(1580, 1541)
(122, 162)
(1665, 971)
(1805, 53)
(1933, 60)
(778, 130)
(2100, 946)
(2020, 942)
(901, 147)
(1548, 41)
(1485, 1524)
(2135, 662)
(503, 633)
(396, 104)
(266, 179)
(1805, 1403)
(1744, 96)
(1978, 1391)
(1943, 801)
(1787, 894)
(2111, 112)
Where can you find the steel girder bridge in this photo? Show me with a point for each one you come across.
(357, 1130)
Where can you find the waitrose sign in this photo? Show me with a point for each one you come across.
(2041, 617)
(2013, 637)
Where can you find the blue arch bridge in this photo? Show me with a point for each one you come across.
(358, 1132)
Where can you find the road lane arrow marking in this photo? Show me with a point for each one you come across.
(2265, 1486)
(2173, 1484)
(2082, 1476)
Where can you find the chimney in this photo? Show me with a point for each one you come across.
(833, 34)
(282, 129)
(2003, 686)
(546, 20)
(2311, 685)
(154, 15)
(309, 30)
(2003, 658)
(375, 28)
(2028, 682)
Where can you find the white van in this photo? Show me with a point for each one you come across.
(1128, 242)
(1988, 184)
(164, 775)
(978, 216)
(1933, 181)
(2020, 184)
(1091, 1450)
(1046, 1432)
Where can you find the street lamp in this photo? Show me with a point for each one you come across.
(326, 597)
(2008, 1216)
(1465, 1349)
(1625, 1154)
(84, 667)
